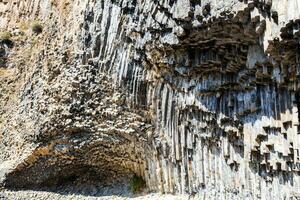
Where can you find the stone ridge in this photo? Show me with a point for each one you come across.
(195, 97)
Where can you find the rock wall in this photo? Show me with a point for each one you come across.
(197, 97)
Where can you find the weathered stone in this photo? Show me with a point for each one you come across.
(197, 97)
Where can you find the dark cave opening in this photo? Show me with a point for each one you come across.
(73, 179)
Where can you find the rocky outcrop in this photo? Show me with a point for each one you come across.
(197, 97)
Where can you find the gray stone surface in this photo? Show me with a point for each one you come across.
(196, 97)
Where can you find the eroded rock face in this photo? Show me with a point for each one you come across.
(196, 97)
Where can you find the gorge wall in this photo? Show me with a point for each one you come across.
(197, 97)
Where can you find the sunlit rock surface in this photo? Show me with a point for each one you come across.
(196, 97)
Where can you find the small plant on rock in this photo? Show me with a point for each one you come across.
(5, 37)
(37, 27)
(137, 184)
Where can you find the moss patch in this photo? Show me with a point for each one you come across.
(137, 184)
(37, 27)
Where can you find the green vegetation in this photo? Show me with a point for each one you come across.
(37, 27)
(6, 37)
(137, 184)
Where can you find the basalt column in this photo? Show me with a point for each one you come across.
(196, 97)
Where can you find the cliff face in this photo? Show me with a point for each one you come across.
(197, 97)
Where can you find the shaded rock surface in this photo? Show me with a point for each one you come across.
(195, 97)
